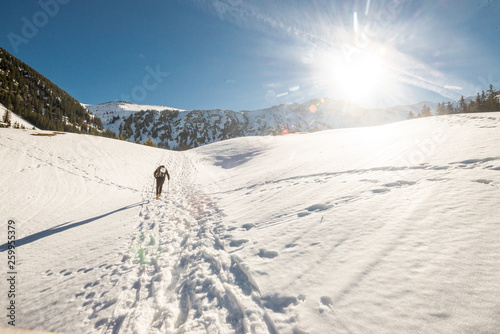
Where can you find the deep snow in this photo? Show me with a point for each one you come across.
(386, 229)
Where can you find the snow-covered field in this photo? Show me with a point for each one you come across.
(388, 229)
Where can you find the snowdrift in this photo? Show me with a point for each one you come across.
(382, 229)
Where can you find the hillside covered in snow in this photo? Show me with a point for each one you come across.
(384, 229)
(16, 122)
(179, 129)
(39, 101)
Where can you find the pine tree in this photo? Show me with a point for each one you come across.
(441, 110)
(8, 101)
(6, 118)
(449, 108)
(150, 142)
(481, 102)
(462, 106)
(492, 100)
(426, 111)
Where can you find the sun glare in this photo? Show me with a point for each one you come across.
(361, 78)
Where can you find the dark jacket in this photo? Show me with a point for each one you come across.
(159, 175)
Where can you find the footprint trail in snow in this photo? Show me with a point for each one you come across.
(177, 275)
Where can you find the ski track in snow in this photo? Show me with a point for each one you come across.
(177, 276)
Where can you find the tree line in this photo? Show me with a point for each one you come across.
(488, 101)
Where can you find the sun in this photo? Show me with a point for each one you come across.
(361, 77)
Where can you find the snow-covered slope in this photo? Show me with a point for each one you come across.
(16, 121)
(178, 129)
(386, 229)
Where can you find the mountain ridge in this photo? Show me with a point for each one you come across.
(180, 129)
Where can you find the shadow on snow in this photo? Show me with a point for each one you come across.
(63, 227)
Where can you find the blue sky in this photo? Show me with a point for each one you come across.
(235, 54)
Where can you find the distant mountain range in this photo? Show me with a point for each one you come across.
(44, 105)
(180, 129)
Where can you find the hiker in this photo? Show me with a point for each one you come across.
(159, 174)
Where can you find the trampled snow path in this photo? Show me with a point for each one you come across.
(177, 276)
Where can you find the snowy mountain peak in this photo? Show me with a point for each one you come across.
(179, 129)
(106, 111)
